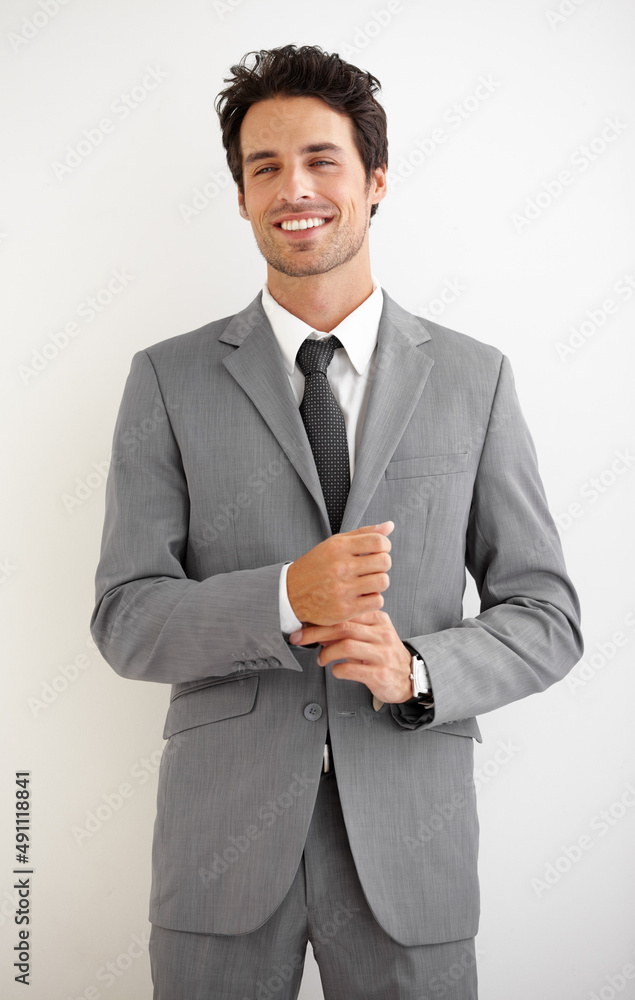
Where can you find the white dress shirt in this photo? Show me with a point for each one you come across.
(349, 375)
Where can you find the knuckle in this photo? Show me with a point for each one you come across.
(339, 569)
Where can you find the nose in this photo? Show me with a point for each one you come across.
(295, 183)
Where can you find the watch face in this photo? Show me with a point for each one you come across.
(421, 681)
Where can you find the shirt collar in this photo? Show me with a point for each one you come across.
(357, 332)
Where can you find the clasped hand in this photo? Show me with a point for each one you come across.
(337, 589)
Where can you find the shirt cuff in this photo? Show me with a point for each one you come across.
(288, 621)
(412, 716)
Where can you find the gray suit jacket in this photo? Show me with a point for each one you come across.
(212, 488)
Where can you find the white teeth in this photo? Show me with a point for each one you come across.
(293, 224)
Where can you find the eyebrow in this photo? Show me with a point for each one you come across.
(317, 147)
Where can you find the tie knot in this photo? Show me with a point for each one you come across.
(316, 355)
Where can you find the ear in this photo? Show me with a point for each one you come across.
(241, 205)
(378, 185)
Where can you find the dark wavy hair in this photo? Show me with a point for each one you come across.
(305, 71)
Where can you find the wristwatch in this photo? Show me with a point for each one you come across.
(421, 690)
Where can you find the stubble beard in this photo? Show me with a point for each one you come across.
(344, 246)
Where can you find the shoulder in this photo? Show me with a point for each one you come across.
(451, 343)
(207, 344)
(451, 351)
(191, 347)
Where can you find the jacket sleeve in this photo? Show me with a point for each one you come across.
(151, 622)
(527, 635)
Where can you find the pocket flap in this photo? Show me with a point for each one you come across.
(217, 700)
(463, 727)
(426, 465)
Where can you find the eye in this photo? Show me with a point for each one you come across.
(315, 163)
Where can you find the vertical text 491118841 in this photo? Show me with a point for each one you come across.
(23, 885)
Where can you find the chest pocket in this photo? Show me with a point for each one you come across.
(427, 465)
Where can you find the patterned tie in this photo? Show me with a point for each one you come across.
(325, 427)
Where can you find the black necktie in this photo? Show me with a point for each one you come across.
(325, 427)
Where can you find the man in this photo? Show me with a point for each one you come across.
(286, 545)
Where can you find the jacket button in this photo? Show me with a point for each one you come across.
(312, 711)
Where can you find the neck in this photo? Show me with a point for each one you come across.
(321, 300)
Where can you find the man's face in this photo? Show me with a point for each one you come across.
(300, 162)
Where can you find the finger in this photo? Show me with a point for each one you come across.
(350, 651)
(373, 562)
(384, 528)
(309, 634)
(352, 670)
(369, 618)
(375, 583)
(367, 543)
(369, 538)
(326, 634)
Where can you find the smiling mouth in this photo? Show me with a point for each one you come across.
(293, 225)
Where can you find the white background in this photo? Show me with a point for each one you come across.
(456, 215)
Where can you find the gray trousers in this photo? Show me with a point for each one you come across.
(326, 906)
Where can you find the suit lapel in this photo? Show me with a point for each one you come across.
(258, 367)
(399, 375)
